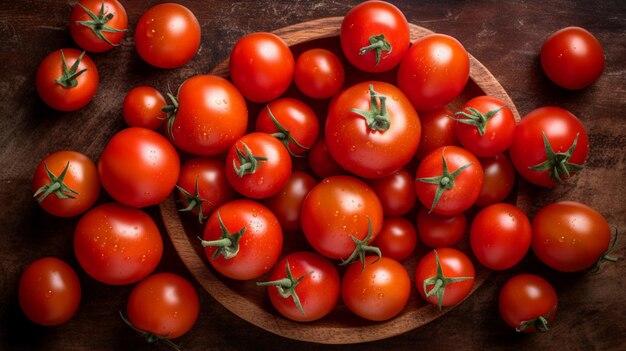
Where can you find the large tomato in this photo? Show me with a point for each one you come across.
(444, 276)
(318, 73)
(143, 107)
(528, 303)
(98, 25)
(286, 204)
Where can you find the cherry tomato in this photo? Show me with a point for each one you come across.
(287, 203)
(572, 58)
(440, 231)
(321, 161)
(143, 108)
(444, 276)
(528, 303)
(49, 291)
(318, 73)
(67, 79)
(438, 129)
(98, 25)
(395, 192)
(397, 238)
(167, 35)
(498, 181)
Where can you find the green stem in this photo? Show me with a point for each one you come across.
(378, 44)
(377, 117)
(98, 23)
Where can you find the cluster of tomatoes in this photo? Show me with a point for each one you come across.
(349, 185)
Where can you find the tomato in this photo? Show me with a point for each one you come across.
(528, 303)
(498, 181)
(374, 36)
(67, 79)
(434, 71)
(203, 187)
(321, 162)
(377, 292)
(286, 204)
(570, 236)
(167, 35)
(258, 165)
(143, 108)
(396, 192)
(438, 129)
(500, 236)
(549, 146)
(444, 276)
(318, 73)
(572, 58)
(485, 126)
(449, 180)
(139, 167)
(397, 238)
(372, 130)
(440, 231)
(98, 25)
(49, 291)
(117, 245)
(337, 210)
(242, 239)
(66, 183)
(291, 121)
(261, 66)
(295, 285)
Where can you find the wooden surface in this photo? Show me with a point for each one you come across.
(504, 36)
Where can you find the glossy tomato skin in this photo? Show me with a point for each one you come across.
(379, 291)
(396, 192)
(572, 58)
(261, 66)
(560, 127)
(438, 129)
(364, 151)
(335, 210)
(498, 181)
(49, 291)
(373, 18)
(434, 71)
(397, 238)
(167, 35)
(525, 297)
(286, 204)
(143, 106)
(454, 264)
(85, 37)
(163, 304)
(318, 73)
(59, 97)
(139, 167)
(440, 231)
(322, 162)
(117, 245)
(81, 177)
(570, 236)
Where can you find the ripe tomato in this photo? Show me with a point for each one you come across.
(572, 58)
(528, 303)
(143, 107)
(397, 238)
(66, 183)
(449, 180)
(139, 167)
(440, 231)
(444, 276)
(286, 204)
(500, 236)
(117, 245)
(67, 79)
(434, 71)
(318, 73)
(438, 129)
(98, 25)
(372, 130)
(295, 285)
(570, 236)
(321, 162)
(377, 292)
(242, 239)
(261, 66)
(49, 291)
(374, 36)
(396, 192)
(498, 181)
(550, 145)
(167, 35)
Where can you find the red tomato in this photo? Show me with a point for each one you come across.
(261, 66)
(117, 245)
(372, 130)
(377, 292)
(143, 108)
(449, 180)
(318, 73)
(500, 236)
(569, 236)
(440, 231)
(434, 71)
(139, 167)
(242, 239)
(49, 291)
(66, 183)
(98, 25)
(528, 303)
(438, 129)
(572, 58)
(395, 192)
(550, 145)
(67, 79)
(287, 203)
(321, 162)
(498, 182)
(397, 238)
(444, 276)
(374, 36)
(295, 285)
(167, 35)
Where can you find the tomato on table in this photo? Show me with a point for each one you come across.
(438, 129)
(318, 73)
(440, 231)
(527, 302)
(286, 204)
(143, 107)
(396, 192)
(444, 277)
(499, 178)
(397, 238)
(98, 25)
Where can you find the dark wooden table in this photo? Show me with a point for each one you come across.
(504, 36)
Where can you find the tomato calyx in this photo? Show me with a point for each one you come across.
(56, 186)
(284, 135)
(170, 110)
(376, 117)
(475, 118)
(362, 247)
(540, 323)
(287, 286)
(228, 244)
(98, 23)
(194, 201)
(248, 163)
(378, 44)
(557, 163)
(440, 281)
(68, 76)
(606, 256)
(444, 182)
(150, 337)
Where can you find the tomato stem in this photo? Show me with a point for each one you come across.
(287, 286)
(284, 135)
(444, 182)
(557, 163)
(378, 44)
(606, 256)
(228, 244)
(98, 23)
(170, 110)
(56, 186)
(149, 336)
(440, 282)
(248, 163)
(475, 118)
(540, 323)
(69, 75)
(361, 247)
(377, 117)
(194, 201)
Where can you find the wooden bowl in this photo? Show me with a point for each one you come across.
(250, 302)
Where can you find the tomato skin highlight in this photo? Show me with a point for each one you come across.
(85, 36)
(526, 297)
(143, 108)
(318, 73)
